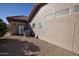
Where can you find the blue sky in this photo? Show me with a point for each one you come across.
(14, 9)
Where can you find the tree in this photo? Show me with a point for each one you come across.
(3, 28)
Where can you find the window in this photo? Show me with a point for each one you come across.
(50, 16)
(76, 8)
(63, 12)
(41, 25)
(33, 25)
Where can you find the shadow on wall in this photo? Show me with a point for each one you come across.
(31, 30)
(26, 28)
(15, 47)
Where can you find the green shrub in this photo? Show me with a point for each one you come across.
(3, 28)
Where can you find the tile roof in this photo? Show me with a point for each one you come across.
(17, 18)
(29, 18)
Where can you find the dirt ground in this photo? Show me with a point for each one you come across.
(17, 45)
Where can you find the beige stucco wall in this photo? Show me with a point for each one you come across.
(76, 35)
(14, 26)
(61, 31)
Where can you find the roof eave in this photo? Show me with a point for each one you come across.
(34, 11)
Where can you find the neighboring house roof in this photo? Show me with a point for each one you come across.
(29, 18)
(17, 18)
(35, 10)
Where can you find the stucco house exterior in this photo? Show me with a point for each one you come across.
(18, 24)
(57, 23)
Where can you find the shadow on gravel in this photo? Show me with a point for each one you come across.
(15, 47)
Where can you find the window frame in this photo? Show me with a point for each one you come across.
(73, 9)
(48, 15)
(69, 12)
(41, 25)
(33, 25)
